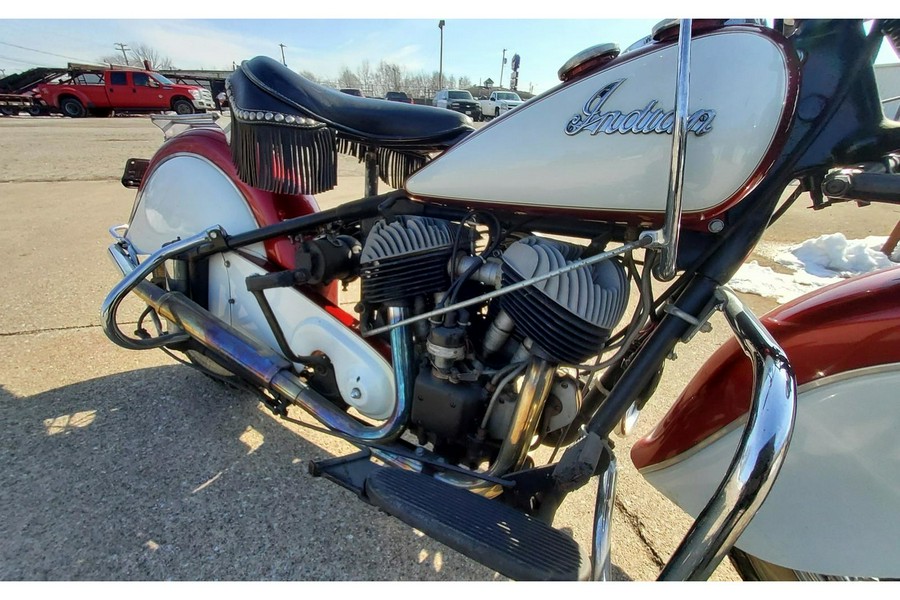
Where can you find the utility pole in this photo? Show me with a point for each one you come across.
(123, 48)
(502, 64)
(441, 65)
(282, 54)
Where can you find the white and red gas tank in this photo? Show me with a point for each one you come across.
(600, 144)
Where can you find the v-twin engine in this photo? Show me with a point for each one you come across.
(469, 357)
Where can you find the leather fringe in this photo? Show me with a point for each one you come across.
(394, 166)
(290, 159)
(285, 159)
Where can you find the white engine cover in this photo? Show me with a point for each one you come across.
(605, 163)
(364, 377)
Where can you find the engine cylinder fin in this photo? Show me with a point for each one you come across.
(570, 316)
(405, 258)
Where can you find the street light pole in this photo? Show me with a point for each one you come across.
(441, 65)
(282, 54)
(502, 64)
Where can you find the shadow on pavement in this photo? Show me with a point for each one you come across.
(163, 474)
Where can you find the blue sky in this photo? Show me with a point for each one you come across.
(472, 47)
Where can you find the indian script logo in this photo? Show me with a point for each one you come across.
(645, 120)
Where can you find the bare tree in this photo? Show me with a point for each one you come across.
(366, 79)
(157, 60)
(390, 77)
(348, 79)
(112, 59)
(311, 76)
(137, 54)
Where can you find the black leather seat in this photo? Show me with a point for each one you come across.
(264, 86)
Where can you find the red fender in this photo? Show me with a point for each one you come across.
(268, 208)
(842, 327)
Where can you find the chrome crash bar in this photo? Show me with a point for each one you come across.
(125, 257)
(759, 456)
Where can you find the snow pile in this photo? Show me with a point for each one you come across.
(814, 263)
(835, 255)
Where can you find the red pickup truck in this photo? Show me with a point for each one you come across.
(98, 93)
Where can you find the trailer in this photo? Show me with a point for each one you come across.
(13, 104)
(214, 81)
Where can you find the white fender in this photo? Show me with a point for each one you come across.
(833, 508)
(183, 195)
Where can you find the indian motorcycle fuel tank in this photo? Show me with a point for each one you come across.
(601, 144)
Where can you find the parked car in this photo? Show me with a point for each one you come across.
(352, 91)
(499, 103)
(398, 97)
(460, 101)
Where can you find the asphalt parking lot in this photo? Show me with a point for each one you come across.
(123, 465)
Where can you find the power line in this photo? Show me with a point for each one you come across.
(25, 62)
(44, 52)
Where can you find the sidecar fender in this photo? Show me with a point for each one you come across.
(833, 508)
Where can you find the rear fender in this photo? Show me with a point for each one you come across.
(195, 171)
(191, 184)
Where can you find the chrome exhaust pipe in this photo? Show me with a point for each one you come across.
(257, 362)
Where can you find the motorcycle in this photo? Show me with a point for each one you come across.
(491, 316)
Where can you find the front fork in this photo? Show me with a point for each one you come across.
(756, 463)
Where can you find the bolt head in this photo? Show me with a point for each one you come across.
(716, 225)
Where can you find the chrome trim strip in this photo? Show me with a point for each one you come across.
(760, 453)
(838, 377)
(665, 269)
(714, 437)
